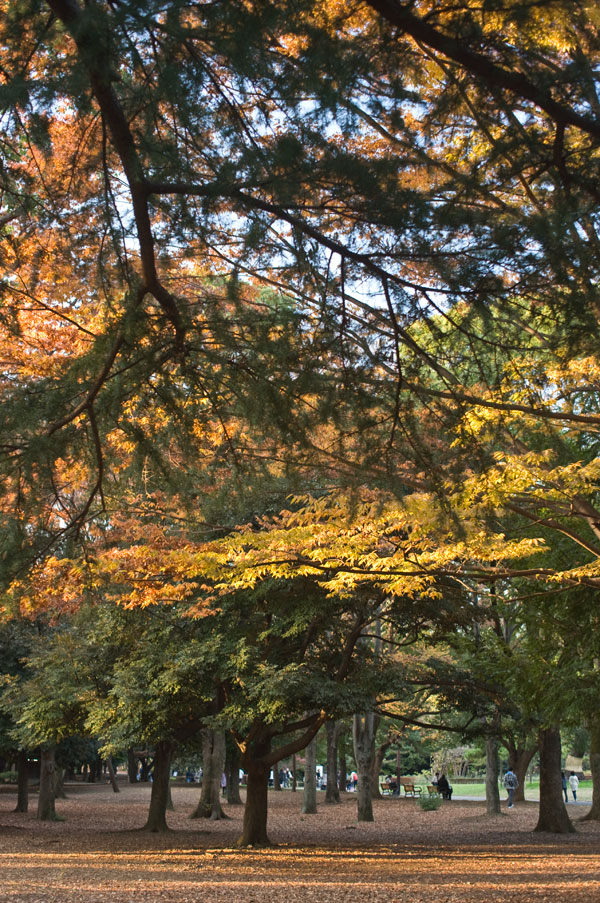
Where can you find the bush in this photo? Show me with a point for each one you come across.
(430, 803)
(8, 777)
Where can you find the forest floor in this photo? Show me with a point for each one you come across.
(98, 855)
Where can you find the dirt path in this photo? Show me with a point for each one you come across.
(454, 854)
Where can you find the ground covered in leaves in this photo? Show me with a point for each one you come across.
(99, 855)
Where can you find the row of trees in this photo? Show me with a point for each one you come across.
(299, 338)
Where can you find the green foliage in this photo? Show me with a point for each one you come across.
(8, 777)
(429, 803)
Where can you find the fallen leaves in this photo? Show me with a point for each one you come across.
(405, 856)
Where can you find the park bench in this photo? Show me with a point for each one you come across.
(432, 790)
(386, 790)
(410, 788)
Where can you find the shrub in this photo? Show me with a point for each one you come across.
(430, 803)
(8, 777)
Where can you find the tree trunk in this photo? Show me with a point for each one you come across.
(112, 776)
(131, 767)
(363, 734)
(378, 757)
(332, 793)
(594, 729)
(46, 810)
(159, 798)
(22, 782)
(59, 783)
(294, 775)
(232, 770)
(343, 779)
(519, 764)
(213, 763)
(309, 800)
(398, 769)
(276, 781)
(492, 792)
(553, 814)
(254, 831)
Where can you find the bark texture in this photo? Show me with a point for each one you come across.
(111, 775)
(492, 791)
(343, 779)
(309, 800)
(378, 756)
(332, 793)
(157, 813)
(213, 764)
(22, 782)
(519, 758)
(131, 767)
(553, 814)
(46, 810)
(363, 734)
(254, 831)
(232, 770)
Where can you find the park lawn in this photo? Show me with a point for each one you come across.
(457, 854)
(532, 790)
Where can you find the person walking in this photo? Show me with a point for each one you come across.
(563, 778)
(573, 784)
(511, 782)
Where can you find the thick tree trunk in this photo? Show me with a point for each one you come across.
(594, 729)
(131, 767)
(520, 754)
(332, 793)
(232, 770)
(22, 782)
(363, 733)
(519, 764)
(112, 776)
(46, 810)
(553, 814)
(213, 763)
(254, 831)
(159, 798)
(309, 799)
(492, 792)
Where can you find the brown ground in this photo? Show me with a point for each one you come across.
(454, 854)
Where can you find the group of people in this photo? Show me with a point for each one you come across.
(573, 782)
(511, 782)
(443, 785)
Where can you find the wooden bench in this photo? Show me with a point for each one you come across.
(387, 790)
(432, 790)
(410, 788)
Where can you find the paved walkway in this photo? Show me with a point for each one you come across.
(528, 799)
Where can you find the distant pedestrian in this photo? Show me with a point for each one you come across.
(563, 778)
(224, 784)
(573, 784)
(511, 782)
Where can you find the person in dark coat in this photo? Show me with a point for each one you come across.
(444, 787)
